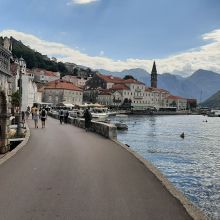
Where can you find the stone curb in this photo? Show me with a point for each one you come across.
(192, 210)
(19, 147)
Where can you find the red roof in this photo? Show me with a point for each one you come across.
(49, 73)
(38, 71)
(61, 84)
(120, 87)
(110, 79)
(132, 81)
(174, 97)
(118, 80)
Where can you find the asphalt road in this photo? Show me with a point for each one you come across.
(65, 173)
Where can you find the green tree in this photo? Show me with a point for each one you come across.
(173, 104)
(15, 99)
(128, 77)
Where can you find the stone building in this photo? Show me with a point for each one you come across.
(96, 83)
(29, 87)
(135, 93)
(78, 81)
(110, 90)
(177, 102)
(5, 93)
(60, 91)
(45, 76)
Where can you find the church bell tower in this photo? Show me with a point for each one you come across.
(154, 76)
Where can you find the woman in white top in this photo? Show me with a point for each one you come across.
(35, 117)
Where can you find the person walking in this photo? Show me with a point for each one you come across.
(27, 113)
(61, 116)
(43, 116)
(88, 118)
(66, 115)
(35, 116)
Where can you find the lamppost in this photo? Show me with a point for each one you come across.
(21, 63)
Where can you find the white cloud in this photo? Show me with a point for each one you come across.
(81, 2)
(205, 57)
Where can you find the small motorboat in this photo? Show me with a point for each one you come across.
(121, 115)
(121, 126)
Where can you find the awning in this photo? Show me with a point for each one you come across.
(69, 105)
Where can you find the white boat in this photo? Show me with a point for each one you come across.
(214, 113)
(99, 114)
(112, 113)
(76, 113)
(121, 115)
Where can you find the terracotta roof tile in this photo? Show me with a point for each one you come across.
(118, 80)
(109, 78)
(133, 81)
(61, 84)
(49, 73)
(38, 71)
(120, 87)
(174, 97)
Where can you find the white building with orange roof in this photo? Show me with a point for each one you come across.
(110, 90)
(41, 75)
(114, 96)
(176, 101)
(78, 81)
(60, 91)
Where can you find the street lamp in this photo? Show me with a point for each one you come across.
(21, 64)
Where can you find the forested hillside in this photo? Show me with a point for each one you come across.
(35, 59)
(213, 101)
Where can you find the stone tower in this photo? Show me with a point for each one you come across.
(154, 76)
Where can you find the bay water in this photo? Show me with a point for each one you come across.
(192, 164)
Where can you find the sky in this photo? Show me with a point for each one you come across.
(181, 36)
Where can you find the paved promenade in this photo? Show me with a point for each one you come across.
(65, 173)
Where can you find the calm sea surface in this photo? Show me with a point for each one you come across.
(192, 164)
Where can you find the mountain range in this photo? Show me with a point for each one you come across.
(201, 85)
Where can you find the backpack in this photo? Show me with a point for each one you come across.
(43, 113)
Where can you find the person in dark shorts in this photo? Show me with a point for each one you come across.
(66, 115)
(88, 118)
(43, 116)
(61, 116)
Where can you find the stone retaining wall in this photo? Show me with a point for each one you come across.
(104, 129)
